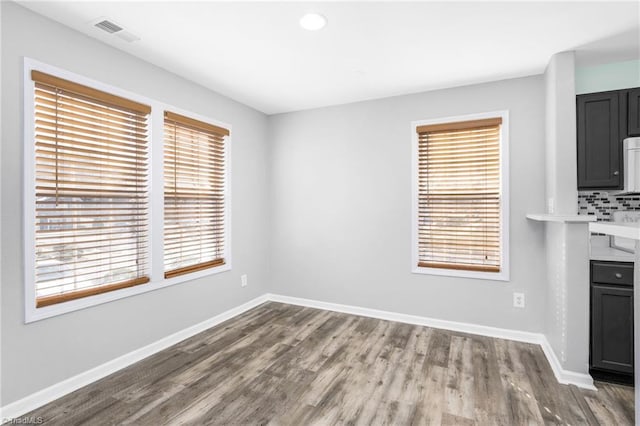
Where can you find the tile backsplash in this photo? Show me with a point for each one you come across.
(602, 204)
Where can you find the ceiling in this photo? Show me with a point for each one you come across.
(256, 52)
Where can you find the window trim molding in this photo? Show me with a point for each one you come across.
(155, 187)
(503, 275)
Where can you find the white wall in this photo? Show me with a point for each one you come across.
(341, 206)
(560, 124)
(566, 310)
(40, 354)
(566, 244)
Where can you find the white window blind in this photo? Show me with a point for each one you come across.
(194, 195)
(459, 195)
(91, 191)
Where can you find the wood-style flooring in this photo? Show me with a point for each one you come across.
(287, 365)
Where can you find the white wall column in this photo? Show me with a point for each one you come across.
(566, 307)
(560, 135)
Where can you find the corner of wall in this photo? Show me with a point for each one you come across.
(566, 245)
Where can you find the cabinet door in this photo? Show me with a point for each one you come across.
(599, 144)
(612, 328)
(633, 108)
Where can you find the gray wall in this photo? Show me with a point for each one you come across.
(321, 209)
(40, 354)
(341, 206)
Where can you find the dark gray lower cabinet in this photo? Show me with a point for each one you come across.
(612, 330)
(612, 321)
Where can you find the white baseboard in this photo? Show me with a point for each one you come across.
(40, 398)
(566, 377)
(502, 333)
(563, 376)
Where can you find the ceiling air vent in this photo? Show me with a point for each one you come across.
(108, 26)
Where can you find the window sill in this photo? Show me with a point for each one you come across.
(33, 314)
(493, 276)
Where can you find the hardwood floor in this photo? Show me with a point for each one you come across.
(287, 365)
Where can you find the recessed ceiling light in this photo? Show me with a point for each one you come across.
(313, 21)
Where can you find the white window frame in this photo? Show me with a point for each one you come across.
(156, 198)
(503, 275)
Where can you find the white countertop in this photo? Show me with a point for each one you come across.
(619, 229)
(599, 249)
(564, 218)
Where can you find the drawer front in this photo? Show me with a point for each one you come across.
(612, 273)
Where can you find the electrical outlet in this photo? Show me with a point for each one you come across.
(243, 280)
(518, 300)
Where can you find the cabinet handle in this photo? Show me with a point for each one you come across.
(618, 275)
(616, 173)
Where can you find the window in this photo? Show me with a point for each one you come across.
(194, 195)
(123, 194)
(460, 208)
(91, 191)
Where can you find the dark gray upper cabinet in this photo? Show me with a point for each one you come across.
(633, 125)
(599, 142)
